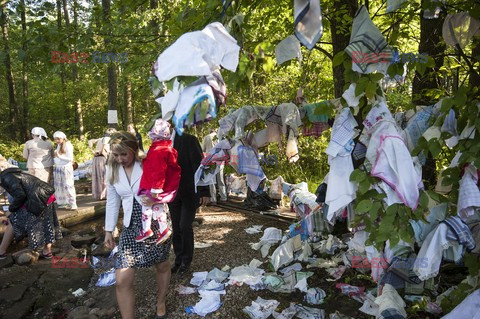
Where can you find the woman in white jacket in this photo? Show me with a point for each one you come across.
(124, 171)
(63, 180)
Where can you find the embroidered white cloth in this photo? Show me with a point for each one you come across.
(198, 53)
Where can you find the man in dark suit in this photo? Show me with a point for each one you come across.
(184, 207)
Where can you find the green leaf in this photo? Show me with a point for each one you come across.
(357, 175)
(447, 104)
(364, 206)
(364, 186)
(423, 200)
(361, 85)
(370, 90)
(338, 58)
(376, 77)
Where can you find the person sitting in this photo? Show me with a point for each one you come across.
(32, 211)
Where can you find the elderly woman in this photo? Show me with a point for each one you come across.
(32, 212)
(39, 155)
(63, 172)
(124, 171)
(101, 152)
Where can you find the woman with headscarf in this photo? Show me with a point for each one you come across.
(39, 155)
(31, 211)
(102, 150)
(63, 172)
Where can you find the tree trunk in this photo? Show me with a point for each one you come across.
(153, 22)
(111, 70)
(13, 114)
(431, 43)
(62, 66)
(24, 119)
(76, 94)
(127, 90)
(474, 79)
(340, 38)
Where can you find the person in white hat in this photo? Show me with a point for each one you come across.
(39, 155)
(63, 180)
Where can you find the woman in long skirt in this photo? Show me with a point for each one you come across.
(102, 150)
(63, 180)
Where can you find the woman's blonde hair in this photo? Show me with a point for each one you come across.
(122, 142)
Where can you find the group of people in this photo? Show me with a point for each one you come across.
(52, 165)
(156, 192)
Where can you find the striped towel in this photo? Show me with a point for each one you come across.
(460, 232)
(308, 22)
(366, 40)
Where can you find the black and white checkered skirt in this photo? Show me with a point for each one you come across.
(143, 254)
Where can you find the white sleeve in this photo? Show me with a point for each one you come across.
(112, 207)
(68, 156)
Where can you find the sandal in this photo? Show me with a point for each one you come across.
(160, 317)
(3, 256)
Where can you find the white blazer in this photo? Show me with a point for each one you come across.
(124, 192)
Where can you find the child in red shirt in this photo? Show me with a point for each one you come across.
(160, 180)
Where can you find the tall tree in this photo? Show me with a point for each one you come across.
(73, 29)
(24, 118)
(341, 31)
(432, 44)
(111, 70)
(128, 109)
(13, 107)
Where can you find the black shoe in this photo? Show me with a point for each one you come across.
(183, 269)
(175, 268)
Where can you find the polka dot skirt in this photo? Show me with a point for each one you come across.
(143, 254)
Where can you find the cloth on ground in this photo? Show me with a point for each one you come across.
(261, 308)
(391, 302)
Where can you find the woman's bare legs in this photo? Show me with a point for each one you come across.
(125, 292)
(163, 274)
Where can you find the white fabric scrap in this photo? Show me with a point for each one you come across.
(302, 285)
(284, 254)
(390, 299)
(245, 274)
(261, 308)
(79, 292)
(304, 312)
(295, 267)
(255, 229)
(183, 290)
(287, 49)
(468, 193)
(287, 313)
(369, 306)
(217, 275)
(210, 302)
(198, 278)
(255, 263)
(198, 53)
(468, 308)
(431, 251)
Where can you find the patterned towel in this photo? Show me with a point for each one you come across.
(460, 232)
(366, 40)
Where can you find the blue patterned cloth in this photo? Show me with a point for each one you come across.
(460, 232)
(248, 161)
(417, 125)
